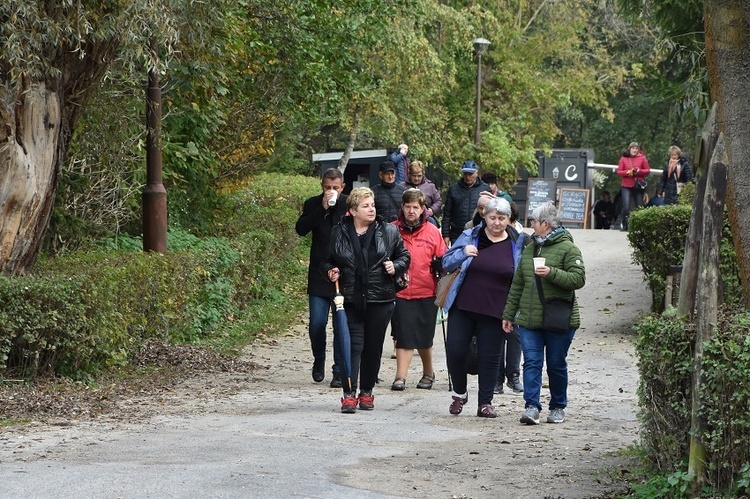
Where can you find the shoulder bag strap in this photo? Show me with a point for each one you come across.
(539, 289)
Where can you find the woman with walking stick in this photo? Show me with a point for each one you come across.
(488, 255)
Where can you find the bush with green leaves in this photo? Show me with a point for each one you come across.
(658, 235)
(85, 311)
(665, 350)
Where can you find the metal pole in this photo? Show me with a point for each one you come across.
(477, 132)
(154, 194)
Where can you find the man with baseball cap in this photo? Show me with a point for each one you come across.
(460, 202)
(388, 193)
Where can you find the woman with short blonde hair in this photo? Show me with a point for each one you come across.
(367, 255)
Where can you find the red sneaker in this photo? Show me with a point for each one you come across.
(366, 401)
(349, 405)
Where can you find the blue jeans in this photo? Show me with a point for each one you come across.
(488, 330)
(320, 307)
(626, 194)
(537, 345)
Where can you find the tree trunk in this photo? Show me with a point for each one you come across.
(689, 277)
(706, 316)
(349, 145)
(31, 149)
(727, 52)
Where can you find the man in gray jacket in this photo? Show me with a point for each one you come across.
(460, 202)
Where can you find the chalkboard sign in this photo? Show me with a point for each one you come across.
(539, 191)
(574, 205)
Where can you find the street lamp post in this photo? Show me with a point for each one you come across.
(480, 47)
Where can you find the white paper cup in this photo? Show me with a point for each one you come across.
(332, 201)
(539, 262)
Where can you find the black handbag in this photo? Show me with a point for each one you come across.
(556, 312)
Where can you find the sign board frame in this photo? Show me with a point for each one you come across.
(533, 202)
(585, 207)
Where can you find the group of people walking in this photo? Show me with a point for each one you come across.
(369, 242)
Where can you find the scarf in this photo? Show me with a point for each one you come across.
(674, 165)
(360, 246)
(541, 240)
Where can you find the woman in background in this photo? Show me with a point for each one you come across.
(676, 172)
(633, 166)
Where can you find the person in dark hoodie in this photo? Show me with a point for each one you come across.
(388, 192)
(461, 201)
(632, 168)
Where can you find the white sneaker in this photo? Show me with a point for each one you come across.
(556, 416)
(530, 416)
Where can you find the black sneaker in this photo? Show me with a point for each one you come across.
(514, 383)
(498, 388)
(336, 381)
(319, 370)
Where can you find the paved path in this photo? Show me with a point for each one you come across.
(282, 435)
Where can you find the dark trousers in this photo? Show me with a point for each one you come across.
(510, 356)
(367, 332)
(629, 196)
(489, 332)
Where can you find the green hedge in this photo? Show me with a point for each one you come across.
(665, 356)
(658, 236)
(86, 311)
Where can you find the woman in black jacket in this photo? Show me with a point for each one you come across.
(367, 255)
(676, 172)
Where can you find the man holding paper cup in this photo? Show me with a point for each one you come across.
(542, 303)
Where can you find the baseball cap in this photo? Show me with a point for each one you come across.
(469, 167)
(387, 166)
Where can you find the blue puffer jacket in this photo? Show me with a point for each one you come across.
(456, 256)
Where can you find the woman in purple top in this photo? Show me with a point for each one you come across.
(488, 256)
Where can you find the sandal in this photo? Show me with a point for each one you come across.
(399, 384)
(426, 381)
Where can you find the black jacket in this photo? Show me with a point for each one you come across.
(668, 183)
(388, 200)
(460, 203)
(320, 222)
(388, 245)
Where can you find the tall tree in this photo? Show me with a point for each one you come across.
(728, 50)
(52, 57)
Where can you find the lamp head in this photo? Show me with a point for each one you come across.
(480, 46)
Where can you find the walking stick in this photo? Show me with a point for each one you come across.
(445, 343)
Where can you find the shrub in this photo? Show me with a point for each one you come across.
(658, 235)
(665, 351)
(83, 312)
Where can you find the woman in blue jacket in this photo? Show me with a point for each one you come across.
(488, 256)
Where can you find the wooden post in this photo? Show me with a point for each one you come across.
(689, 278)
(668, 292)
(707, 300)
